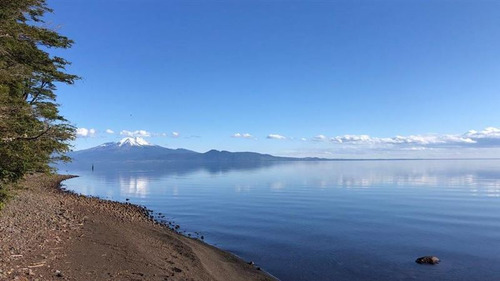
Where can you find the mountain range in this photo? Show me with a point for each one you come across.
(139, 150)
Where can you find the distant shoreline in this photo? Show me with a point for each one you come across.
(47, 232)
(402, 159)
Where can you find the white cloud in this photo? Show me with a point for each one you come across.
(109, 131)
(138, 133)
(353, 139)
(403, 140)
(243, 136)
(415, 148)
(175, 134)
(480, 143)
(276, 137)
(320, 138)
(490, 132)
(84, 132)
(489, 137)
(303, 139)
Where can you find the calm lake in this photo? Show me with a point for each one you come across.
(341, 220)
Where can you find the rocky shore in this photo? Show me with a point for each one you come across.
(49, 234)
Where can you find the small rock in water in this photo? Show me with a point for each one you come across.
(427, 260)
(126, 199)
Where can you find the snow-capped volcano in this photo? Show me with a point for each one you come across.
(137, 141)
(127, 149)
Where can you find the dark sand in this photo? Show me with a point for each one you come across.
(49, 234)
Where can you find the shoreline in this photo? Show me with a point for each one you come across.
(49, 233)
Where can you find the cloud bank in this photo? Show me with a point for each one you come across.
(489, 137)
(84, 132)
(138, 133)
(243, 136)
(276, 137)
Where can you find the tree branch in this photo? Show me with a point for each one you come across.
(34, 137)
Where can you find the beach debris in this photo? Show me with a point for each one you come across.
(428, 260)
(39, 264)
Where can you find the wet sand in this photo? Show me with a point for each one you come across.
(49, 234)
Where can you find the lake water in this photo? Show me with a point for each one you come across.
(342, 220)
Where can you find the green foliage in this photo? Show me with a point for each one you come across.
(4, 196)
(32, 132)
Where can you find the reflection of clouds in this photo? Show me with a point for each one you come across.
(242, 187)
(175, 191)
(408, 180)
(277, 185)
(323, 184)
(476, 177)
(134, 185)
(474, 182)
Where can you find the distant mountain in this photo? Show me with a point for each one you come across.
(138, 149)
(127, 149)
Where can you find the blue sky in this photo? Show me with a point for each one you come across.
(302, 78)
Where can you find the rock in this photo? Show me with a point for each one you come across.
(58, 273)
(427, 260)
(251, 263)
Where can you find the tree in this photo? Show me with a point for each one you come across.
(32, 131)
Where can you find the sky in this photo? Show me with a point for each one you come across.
(335, 79)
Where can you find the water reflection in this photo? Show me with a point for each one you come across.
(469, 173)
(133, 185)
(477, 175)
(277, 185)
(178, 168)
(242, 187)
(328, 217)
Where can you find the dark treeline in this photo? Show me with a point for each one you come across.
(32, 131)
